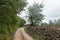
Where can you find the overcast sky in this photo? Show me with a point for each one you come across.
(51, 9)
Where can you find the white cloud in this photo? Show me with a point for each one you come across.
(51, 9)
(34, 1)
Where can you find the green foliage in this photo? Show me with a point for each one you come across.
(22, 22)
(36, 37)
(15, 5)
(57, 22)
(9, 10)
(51, 22)
(9, 21)
(7, 37)
(35, 14)
(44, 24)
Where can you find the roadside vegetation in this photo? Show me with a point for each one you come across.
(9, 20)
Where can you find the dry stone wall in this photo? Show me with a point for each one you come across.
(45, 33)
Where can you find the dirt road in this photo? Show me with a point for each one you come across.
(22, 35)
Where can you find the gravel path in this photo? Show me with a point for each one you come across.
(22, 35)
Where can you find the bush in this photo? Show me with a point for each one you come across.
(7, 31)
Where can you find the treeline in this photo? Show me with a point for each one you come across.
(9, 20)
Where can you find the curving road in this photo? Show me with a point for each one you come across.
(22, 35)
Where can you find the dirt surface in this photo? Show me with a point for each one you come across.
(22, 35)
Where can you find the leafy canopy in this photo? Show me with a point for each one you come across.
(35, 14)
(9, 10)
(9, 21)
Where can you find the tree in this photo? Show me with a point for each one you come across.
(15, 5)
(9, 10)
(51, 22)
(22, 22)
(8, 17)
(35, 15)
(57, 22)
